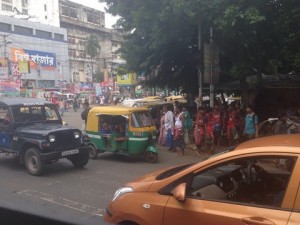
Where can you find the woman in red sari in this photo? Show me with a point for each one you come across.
(199, 132)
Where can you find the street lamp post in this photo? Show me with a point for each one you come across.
(5, 43)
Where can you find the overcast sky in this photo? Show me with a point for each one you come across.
(109, 19)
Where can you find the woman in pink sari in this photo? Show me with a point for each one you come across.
(162, 138)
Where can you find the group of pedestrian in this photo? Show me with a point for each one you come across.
(214, 127)
(174, 128)
(224, 125)
(75, 104)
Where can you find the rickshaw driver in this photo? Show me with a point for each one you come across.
(105, 129)
(120, 133)
(105, 133)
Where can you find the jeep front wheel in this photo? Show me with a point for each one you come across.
(33, 162)
(81, 160)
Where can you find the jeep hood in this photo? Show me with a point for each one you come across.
(42, 128)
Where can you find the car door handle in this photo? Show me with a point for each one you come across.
(257, 221)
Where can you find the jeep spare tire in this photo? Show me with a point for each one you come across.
(80, 160)
(33, 162)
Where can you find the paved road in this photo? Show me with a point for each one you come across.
(75, 195)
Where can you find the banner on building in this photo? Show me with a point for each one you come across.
(3, 69)
(8, 88)
(24, 66)
(37, 59)
(98, 89)
(126, 79)
(15, 69)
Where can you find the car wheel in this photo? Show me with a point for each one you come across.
(151, 157)
(33, 162)
(80, 161)
(93, 152)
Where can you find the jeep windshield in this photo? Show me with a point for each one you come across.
(39, 113)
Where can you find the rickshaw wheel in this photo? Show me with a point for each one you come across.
(151, 157)
(93, 152)
(80, 161)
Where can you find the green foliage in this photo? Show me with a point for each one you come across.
(254, 37)
(92, 47)
(98, 76)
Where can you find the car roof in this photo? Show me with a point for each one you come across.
(289, 140)
(116, 110)
(23, 101)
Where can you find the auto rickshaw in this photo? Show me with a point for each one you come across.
(123, 130)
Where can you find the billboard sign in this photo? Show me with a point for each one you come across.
(126, 79)
(37, 59)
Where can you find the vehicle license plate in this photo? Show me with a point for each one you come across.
(70, 152)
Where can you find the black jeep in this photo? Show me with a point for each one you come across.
(32, 130)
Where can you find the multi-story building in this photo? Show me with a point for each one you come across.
(42, 11)
(80, 22)
(44, 47)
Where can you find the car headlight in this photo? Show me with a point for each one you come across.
(51, 138)
(121, 192)
(77, 134)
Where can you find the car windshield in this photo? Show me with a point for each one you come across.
(35, 113)
(142, 119)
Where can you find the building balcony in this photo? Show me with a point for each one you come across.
(65, 20)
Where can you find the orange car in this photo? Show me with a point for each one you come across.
(257, 184)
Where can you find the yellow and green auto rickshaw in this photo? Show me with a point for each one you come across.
(122, 130)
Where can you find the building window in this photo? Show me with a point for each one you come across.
(43, 34)
(45, 7)
(102, 16)
(81, 41)
(6, 7)
(24, 3)
(25, 11)
(58, 36)
(46, 17)
(64, 10)
(93, 18)
(69, 11)
(71, 39)
(5, 27)
(73, 13)
(114, 44)
(81, 54)
(90, 18)
(8, 1)
(23, 30)
(72, 52)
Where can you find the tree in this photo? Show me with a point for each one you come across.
(92, 49)
(255, 37)
(98, 76)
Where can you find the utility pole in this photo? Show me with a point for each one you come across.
(5, 43)
(211, 86)
(200, 75)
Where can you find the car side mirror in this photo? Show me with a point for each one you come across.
(179, 192)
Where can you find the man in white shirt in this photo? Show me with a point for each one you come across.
(169, 126)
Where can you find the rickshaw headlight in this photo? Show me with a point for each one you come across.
(122, 191)
(52, 138)
(77, 134)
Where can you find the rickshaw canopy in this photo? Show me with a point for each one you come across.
(115, 110)
(95, 112)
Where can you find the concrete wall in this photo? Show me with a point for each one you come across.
(57, 46)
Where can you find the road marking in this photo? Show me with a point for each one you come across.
(63, 202)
